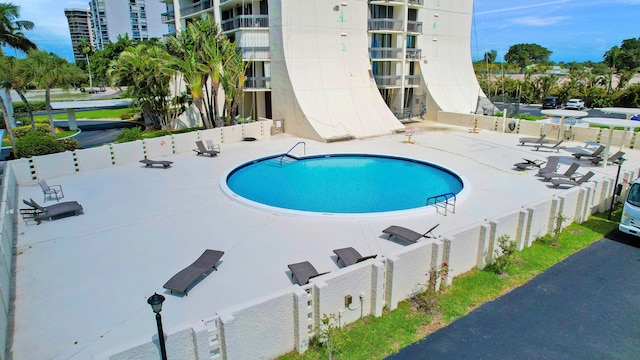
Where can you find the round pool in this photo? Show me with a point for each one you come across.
(341, 183)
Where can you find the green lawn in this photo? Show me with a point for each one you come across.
(92, 114)
(376, 338)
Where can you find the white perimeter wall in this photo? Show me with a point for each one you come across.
(284, 321)
(321, 80)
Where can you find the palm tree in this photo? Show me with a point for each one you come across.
(144, 66)
(48, 70)
(11, 29)
(11, 78)
(11, 35)
(189, 61)
(612, 58)
(85, 47)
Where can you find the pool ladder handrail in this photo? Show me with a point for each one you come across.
(304, 146)
(444, 203)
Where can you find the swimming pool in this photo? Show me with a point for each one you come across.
(341, 183)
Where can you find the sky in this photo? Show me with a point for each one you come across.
(574, 30)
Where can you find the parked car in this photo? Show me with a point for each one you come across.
(551, 102)
(576, 104)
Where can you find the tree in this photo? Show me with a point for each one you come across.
(525, 54)
(147, 74)
(48, 70)
(490, 56)
(11, 35)
(630, 58)
(101, 59)
(190, 61)
(11, 29)
(612, 59)
(11, 78)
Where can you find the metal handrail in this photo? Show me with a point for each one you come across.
(445, 198)
(293, 147)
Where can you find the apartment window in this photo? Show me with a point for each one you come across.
(381, 40)
(411, 42)
(413, 15)
(264, 7)
(226, 15)
(381, 12)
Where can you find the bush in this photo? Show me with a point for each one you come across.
(36, 143)
(70, 144)
(21, 131)
(125, 116)
(504, 256)
(20, 107)
(130, 134)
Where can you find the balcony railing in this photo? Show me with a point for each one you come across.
(414, 54)
(385, 53)
(414, 27)
(413, 80)
(202, 6)
(385, 25)
(255, 53)
(397, 2)
(257, 83)
(245, 21)
(387, 80)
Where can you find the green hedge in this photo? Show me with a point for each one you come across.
(20, 107)
(21, 131)
(36, 143)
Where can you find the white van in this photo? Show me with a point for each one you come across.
(630, 220)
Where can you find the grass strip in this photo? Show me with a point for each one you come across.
(376, 338)
(91, 114)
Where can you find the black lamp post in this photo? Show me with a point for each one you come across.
(156, 301)
(615, 187)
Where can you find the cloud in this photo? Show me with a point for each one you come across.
(539, 21)
(530, 6)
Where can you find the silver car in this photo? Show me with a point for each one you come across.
(576, 104)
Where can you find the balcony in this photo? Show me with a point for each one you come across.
(414, 54)
(255, 53)
(414, 27)
(168, 16)
(396, 2)
(382, 53)
(385, 81)
(245, 21)
(257, 83)
(202, 6)
(413, 80)
(385, 25)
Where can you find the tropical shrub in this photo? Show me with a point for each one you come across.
(70, 144)
(129, 134)
(36, 143)
(21, 131)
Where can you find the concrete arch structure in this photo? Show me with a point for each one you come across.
(321, 75)
(448, 70)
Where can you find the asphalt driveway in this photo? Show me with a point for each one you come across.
(586, 307)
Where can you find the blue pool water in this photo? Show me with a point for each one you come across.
(341, 183)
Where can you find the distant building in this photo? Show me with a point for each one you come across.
(140, 19)
(79, 28)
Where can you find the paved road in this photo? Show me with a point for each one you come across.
(586, 307)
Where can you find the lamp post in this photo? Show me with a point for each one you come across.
(615, 187)
(156, 301)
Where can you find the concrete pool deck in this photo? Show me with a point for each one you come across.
(82, 282)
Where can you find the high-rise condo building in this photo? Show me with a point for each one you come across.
(79, 28)
(140, 19)
(353, 68)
